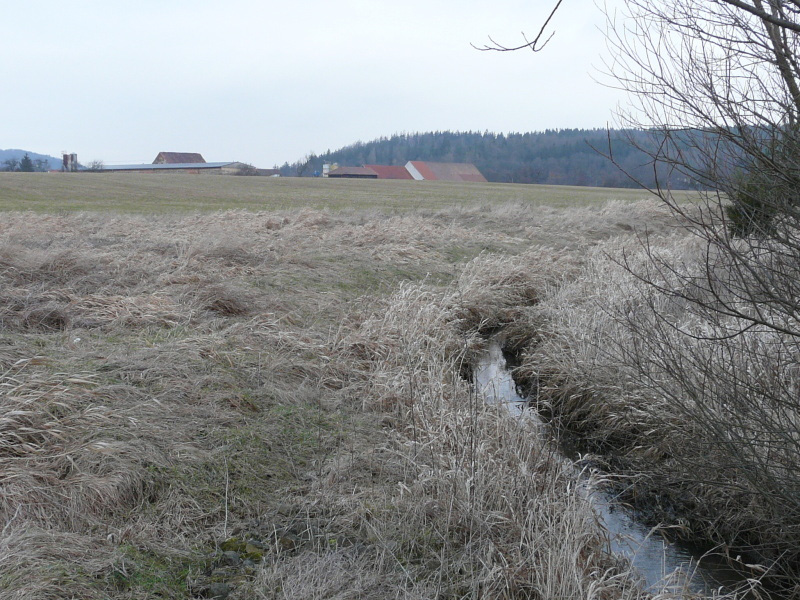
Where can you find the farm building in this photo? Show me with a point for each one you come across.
(390, 171)
(177, 158)
(417, 169)
(217, 168)
(432, 171)
(353, 173)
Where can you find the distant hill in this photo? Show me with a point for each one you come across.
(16, 154)
(562, 157)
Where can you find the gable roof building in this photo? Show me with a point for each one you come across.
(413, 169)
(173, 158)
(432, 171)
(353, 173)
(390, 171)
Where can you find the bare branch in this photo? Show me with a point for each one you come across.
(764, 15)
(533, 45)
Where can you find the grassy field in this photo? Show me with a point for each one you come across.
(251, 388)
(178, 193)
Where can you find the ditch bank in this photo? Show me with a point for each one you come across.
(635, 523)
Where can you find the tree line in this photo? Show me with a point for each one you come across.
(586, 157)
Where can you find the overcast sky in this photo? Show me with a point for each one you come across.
(266, 82)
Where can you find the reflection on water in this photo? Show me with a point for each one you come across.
(656, 559)
(494, 381)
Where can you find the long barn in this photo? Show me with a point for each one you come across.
(414, 169)
(214, 168)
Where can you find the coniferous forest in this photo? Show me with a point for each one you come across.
(557, 157)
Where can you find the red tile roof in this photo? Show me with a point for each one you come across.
(169, 158)
(456, 172)
(390, 171)
(424, 170)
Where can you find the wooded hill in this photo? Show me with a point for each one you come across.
(42, 161)
(9, 159)
(561, 157)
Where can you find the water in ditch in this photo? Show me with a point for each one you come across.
(656, 559)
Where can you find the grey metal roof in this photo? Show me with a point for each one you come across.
(169, 166)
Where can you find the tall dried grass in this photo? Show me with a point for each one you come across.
(199, 371)
(69, 458)
(477, 503)
(45, 564)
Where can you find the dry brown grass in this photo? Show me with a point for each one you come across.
(168, 380)
(485, 506)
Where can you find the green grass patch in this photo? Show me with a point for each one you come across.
(147, 574)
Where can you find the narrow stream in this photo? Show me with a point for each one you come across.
(656, 559)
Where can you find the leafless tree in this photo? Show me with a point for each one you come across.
(717, 82)
(246, 169)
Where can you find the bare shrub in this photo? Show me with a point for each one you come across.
(707, 416)
(717, 336)
(717, 84)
